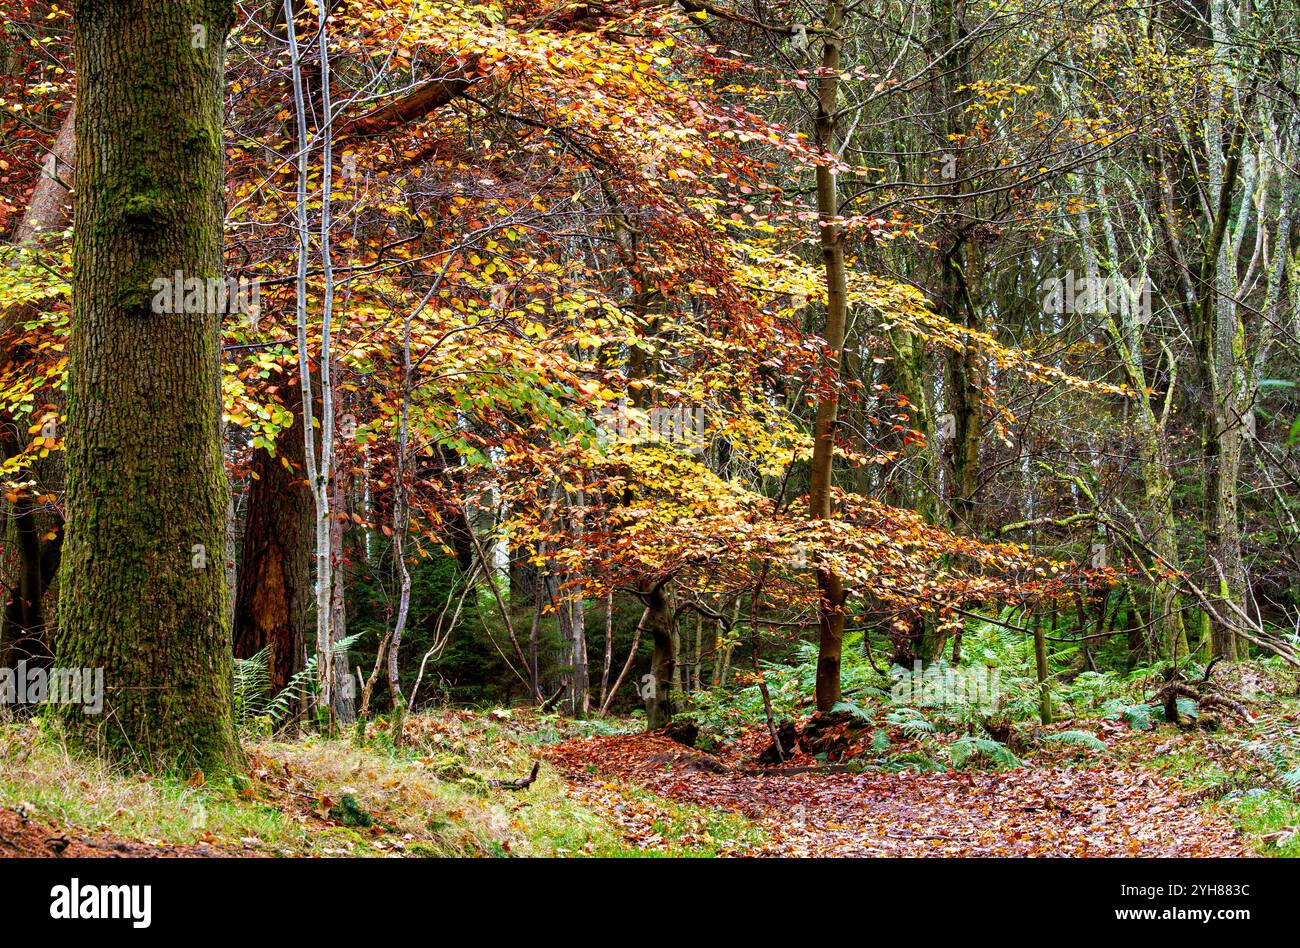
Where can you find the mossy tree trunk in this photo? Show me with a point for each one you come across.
(274, 584)
(959, 267)
(829, 584)
(663, 658)
(143, 583)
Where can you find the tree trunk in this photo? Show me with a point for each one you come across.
(830, 614)
(578, 626)
(343, 699)
(48, 207)
(274, 581)
(609, 648)
(910, 382)
(964, 401)
(659, 707)
(1040, 666)
(143, 592)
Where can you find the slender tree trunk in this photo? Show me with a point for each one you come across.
(910, 382)
(143, 589)
(964, 401)
(1221, 362)
(1040, 665)
(963, 398)
(48, 208)
(344, 697)
(1139, 649)
(830, 614)
(319, 464)
(578, 625)
(1126, 333)
(627, 665)
(609, 648)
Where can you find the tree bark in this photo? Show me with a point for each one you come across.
(143, 589)
(659, 620)
(830, 612)
(343, 699)
(274, 580)
(48, 208)
(1040, 667)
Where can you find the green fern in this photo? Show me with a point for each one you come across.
(1139, 717)
(913, 760)
(251, 690)
(1076, 739)
(910, 721)
(851, 708)
(1291, 780)
(965, 749)
(253, 701)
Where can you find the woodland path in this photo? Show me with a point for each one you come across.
(1056, 811)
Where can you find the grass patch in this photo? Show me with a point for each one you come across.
(317, 796)
(1236, 772)
(1271, 820)
(40, 776)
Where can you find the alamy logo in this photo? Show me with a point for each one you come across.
(941, 685)
(225, 295)
(677, 425)
(1094, 295)
(72, 901)
(647, 689)
(35, 685)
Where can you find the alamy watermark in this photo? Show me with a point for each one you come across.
(1094, 295)
(77, 900)
(647, 688)
(179, 293)
(942, 685)
(679, 425)
(32, 685)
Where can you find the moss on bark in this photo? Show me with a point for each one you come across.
(143, 583)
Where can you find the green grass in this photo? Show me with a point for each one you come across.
(40, 776)
(1271, 820)
(427, 798)
(1242, 786)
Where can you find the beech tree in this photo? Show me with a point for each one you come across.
(143, 579)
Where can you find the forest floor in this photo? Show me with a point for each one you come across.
(604, 789)
(1040, 811)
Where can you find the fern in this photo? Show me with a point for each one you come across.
(910, 721)
(1076, 739)
(965, 749)
(1291, 780)
(1090, 688)
(852, 709)
(913, 760)
(1139, 717)
(252, 688)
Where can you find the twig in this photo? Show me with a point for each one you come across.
(519, 783)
